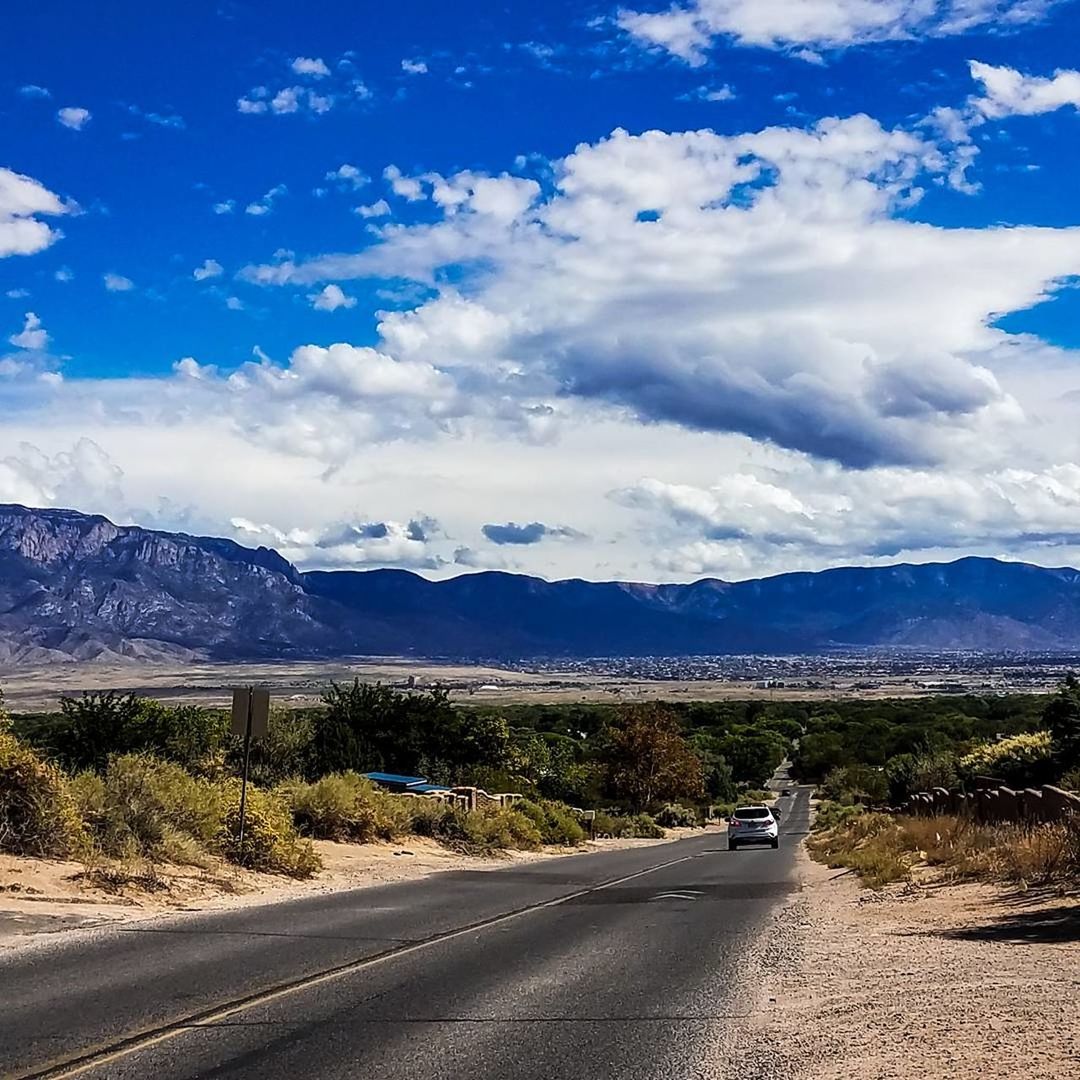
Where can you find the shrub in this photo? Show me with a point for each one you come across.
(620, 826)
(873, 845)
(342, 806)
(831, 814)
(1021, 761)
(644, 827)
(555, 821)
(37, 813)
(97, 726)
(148, 807)
(270, 839)
(499, 828)
(676, 816)
(855, 783)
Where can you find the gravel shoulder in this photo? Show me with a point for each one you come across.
(922, 981)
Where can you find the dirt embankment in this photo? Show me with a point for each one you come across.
(924, 981)
(47, 895)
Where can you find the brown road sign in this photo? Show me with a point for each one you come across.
(259, 700)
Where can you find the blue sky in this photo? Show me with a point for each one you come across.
(307, 277)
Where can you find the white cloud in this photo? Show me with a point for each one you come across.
(762, 283)
(118, 283)
(226, 207)
(306, 65)
(818, 516)
(23, 201)
(373, 210)
(33, 337)
(64, 275)
(266, 204)
(710, 93)
(331, 298)
(405, 186)
(688, 29)
(349, 176)
(74, 118)
(297, 99)
(81, 476)
(804, 372)
(32, 90)
(17, 294)
(1007, 92)
(414, 67)
(234, 303)
(211, 268)
(348, 544)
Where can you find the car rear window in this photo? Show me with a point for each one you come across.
(749, 813)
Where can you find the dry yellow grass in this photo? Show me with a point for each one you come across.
(883, 849)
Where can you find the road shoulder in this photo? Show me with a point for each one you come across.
(917, 981)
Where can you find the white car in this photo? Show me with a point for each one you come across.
(752, 825)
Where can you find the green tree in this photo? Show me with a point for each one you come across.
(648, 760)
(370, 727)
(1062, 719)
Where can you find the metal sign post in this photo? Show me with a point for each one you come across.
(250, 718)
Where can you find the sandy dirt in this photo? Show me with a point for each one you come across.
(299, 684)
(916, 982)
(39, 896)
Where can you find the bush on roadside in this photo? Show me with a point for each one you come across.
(873, 845)
(345, 806)
(555, 821)
(143, 806)
(498, 828)
(1021, 761)
(830, 814)
(626, 827)
(270, 842)
(881, 848)
(676, 816)
(37, 813)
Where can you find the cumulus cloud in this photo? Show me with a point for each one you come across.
(33, 336)
(32, 90)
(23, 202)
(225, 207)
(210, 268)
(723, 92)
(331, 298)
(118, 283)
(349, 176)
(405, 186)
(349, 543)
(1008, 92)
(287, 101)
(373, 210)
(763, 283)
(817, 516)
(84, 476)
(265, 205)
(687, 30)
(532, 533)
(314, 66)
(414, 67)
(73, 117)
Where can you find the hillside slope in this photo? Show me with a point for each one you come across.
(76, 585)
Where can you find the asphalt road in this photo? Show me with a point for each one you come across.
(609, 965)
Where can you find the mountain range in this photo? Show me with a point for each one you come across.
(76, 586)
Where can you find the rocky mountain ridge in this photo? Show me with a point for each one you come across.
(77, 586)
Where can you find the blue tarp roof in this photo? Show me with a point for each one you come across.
(392, 778)
(424, 789)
